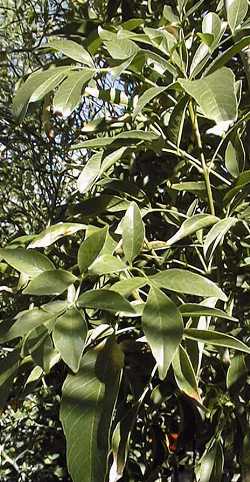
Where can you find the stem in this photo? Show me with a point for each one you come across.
(205, 170)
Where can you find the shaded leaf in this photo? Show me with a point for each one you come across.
(102, 299)
(69, 336)
(176, 121)
(111, 159)
(41, 348)
(8, 368)
(88, 401)
(133, 232)
(26, 322)
(184, 374)
(23, 94)
(237, 372)
(217, 339)
(235, 155)
(195, 311)
(228, 54)
(163, 327)
(90, 248)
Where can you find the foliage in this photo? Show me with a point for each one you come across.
(142, 290)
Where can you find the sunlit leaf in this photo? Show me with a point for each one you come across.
(215, 94)
(52, 282)
(68, 94)
(53, 233)
(184, 281)
(89, 173)
(191, 226)
(72, 50)
(31, 263)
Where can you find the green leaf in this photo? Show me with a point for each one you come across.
(218, 464)
(127, 137)
(184, 281)
(23, 94)
(158, 63)
(184, 374)
(88, 401)
(31, 263)
(90, 173)
(228, 54)
(53, 233)
(133, 232)
(197, 310)
(121, 49)
(212, 26)
(243, 180)
(69, 93)
(120, 442)
(105, 264)
(217, 339)
(41, 348)
(102, 299)
(126, 286)
(176, 120)
(146, 97)
(217, 233)
(189, 186)
(90, 248)
(72, 50)
(211, 463)
(236, 11)
(191, 226)
(163, 327)
(8, 368)
(48, 85)
(207, 463)
(215, 93)
(69, 336)
(111, 159)
(235, 155)
(237, 372)
(25, 322)
(50, 283)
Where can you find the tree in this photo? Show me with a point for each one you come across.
(142, 290)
